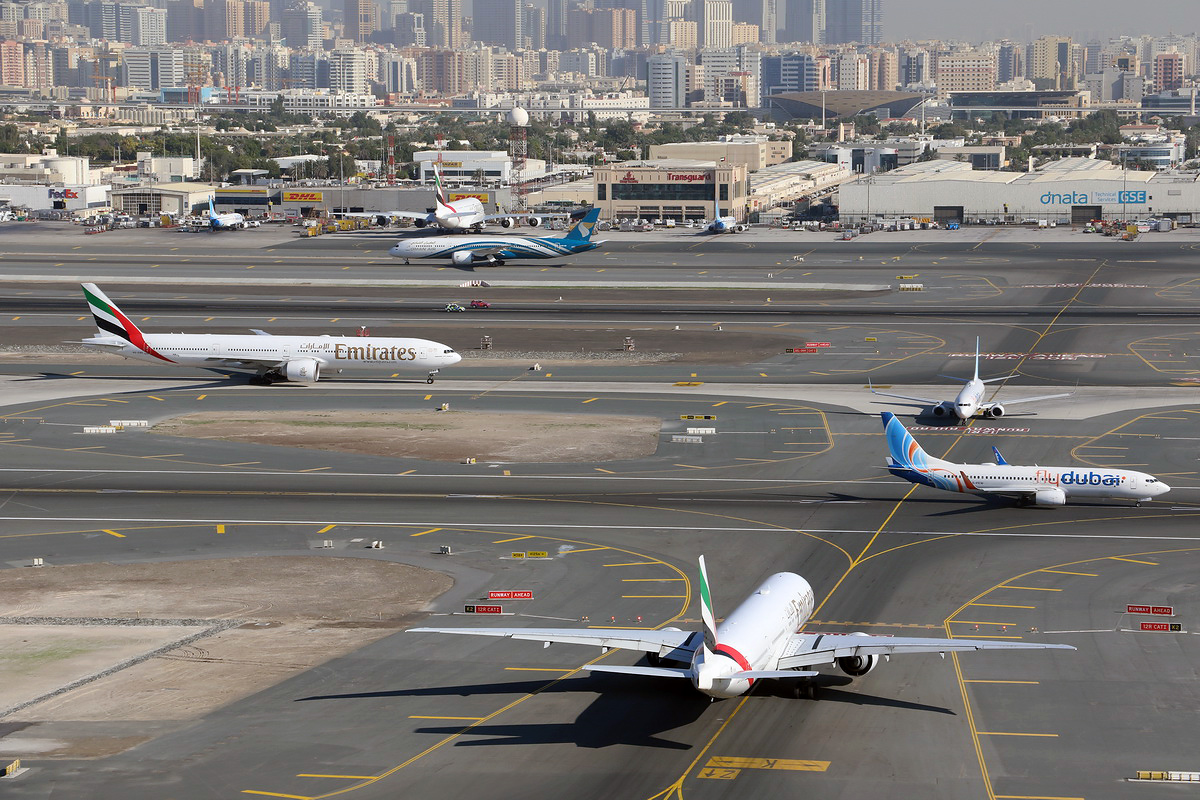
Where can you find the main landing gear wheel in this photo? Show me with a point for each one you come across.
(654, 659)
(804, 690)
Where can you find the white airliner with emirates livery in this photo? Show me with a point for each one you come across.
(757, 640)
(270, 358)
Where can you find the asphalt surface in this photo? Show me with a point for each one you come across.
(791, 480)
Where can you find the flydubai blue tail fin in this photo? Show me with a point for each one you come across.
(582, 231)
(903, 448)
(999, 458)
(212, 212)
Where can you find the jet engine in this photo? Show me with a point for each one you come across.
(302, 370)
(383, 220)
(420, 222)
(857, 666)
(943, 409)
(739, 228)
(996, 411)
(1050, 497)
(533, 222)
(508, 222)
(462, 258)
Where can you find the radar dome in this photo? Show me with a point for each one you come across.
(518, 117)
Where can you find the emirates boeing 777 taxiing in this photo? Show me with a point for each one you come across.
(270, 358)
(758, 640)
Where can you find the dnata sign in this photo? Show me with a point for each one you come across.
(63, 194)
(1081, 198)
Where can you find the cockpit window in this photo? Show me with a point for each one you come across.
(447, 352)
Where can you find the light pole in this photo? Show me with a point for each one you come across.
(1124, 184)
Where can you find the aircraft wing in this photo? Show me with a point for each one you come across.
(663, 641)
(906, 397)
(810, 649)
(1026, 400)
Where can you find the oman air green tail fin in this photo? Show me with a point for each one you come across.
(706, 608)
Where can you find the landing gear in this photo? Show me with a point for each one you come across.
(431, 374)
(804, 690)
(654, 659)
(406, 261)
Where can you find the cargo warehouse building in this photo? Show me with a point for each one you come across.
(678, 189)
(1075, 190)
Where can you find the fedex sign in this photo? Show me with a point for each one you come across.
(63, 194)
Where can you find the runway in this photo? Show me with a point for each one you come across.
(790, 480)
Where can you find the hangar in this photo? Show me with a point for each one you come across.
(1074, 190)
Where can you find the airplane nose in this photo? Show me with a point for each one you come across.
(455, 358)
(1163, 488)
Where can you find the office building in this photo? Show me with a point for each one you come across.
(858, 21)
(667, 80)
(714, 26)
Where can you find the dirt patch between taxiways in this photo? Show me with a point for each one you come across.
(299, 612)
(433, 435)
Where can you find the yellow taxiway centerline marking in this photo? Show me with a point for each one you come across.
(976, 622)
(638, 580)
(1133, 561)
(114, 533)
(1032, 797)
(983, 681)
(406, 472)
(422, 716)
(311, 469)
(343, 777)
(1002, 733)
(327, 529)
(985, 636)
(590, 400)
(584, 550)
(690, 466)
(277, 794)
(1064, 572)
(723, 402)
(537, 669)
(632, 564)
(241, 463)
(153, 397)
(422, 533)
(998, 605)
(513, 539)
(606, 471)
(1028, 588)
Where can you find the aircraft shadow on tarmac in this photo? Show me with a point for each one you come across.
(624, 712)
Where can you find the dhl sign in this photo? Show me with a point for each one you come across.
(303, 197)
(482, 197)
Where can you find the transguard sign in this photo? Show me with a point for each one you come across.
(303, 197)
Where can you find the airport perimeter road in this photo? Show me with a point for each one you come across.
(781, 485)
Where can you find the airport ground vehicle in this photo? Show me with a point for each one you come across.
(451, 307)
(480, 304)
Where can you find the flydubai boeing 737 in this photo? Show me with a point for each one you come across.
(969, 400)
(228, 221)
(758, 640)
(1039, 486)
(494, 250)
(270, 358)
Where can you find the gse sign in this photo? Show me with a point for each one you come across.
(1123, 197)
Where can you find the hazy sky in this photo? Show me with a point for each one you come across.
(979, 20)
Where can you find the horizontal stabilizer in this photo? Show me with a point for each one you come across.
(653, 672)
(774, 673)
(259, 332)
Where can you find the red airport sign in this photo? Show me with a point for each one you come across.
(1169, 627)
(510, 594)
(801, 350)
(817, 344)
(483, 609)
(1160, 611)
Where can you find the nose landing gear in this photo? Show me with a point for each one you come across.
(431, 374)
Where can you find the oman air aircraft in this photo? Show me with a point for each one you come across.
(495, 250)
(1038, 486)
(224, 222)
(270, 358)
(969, 400)
(758, 640)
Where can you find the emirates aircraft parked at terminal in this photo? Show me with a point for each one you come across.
(1039, 486)
(969, 400)
(270, 358)
(757, 640)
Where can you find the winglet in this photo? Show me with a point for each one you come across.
(999, 458)
(706, 609)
